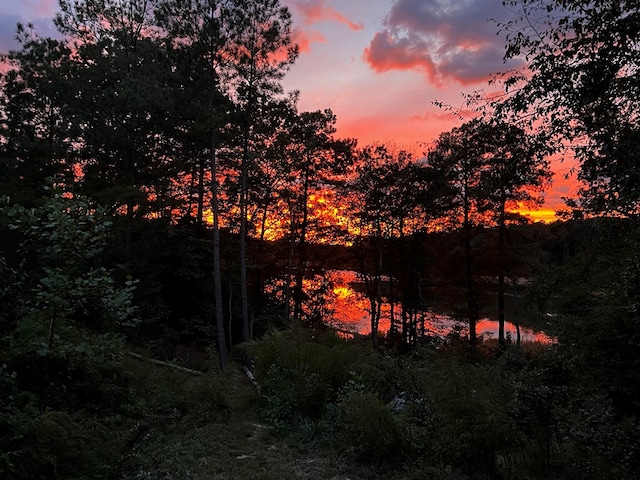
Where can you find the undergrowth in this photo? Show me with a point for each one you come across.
(325, 408)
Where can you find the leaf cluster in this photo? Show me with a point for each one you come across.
(579, 88)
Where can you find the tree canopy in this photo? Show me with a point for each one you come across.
(581, 87)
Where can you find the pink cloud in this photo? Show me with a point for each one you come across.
(314, 11)
(387, 52)
(305, 39)
(455, 40)
(43, 8)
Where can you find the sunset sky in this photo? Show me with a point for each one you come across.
(378, 64)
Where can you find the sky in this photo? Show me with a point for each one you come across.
(379, 65)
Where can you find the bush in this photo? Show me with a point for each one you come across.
(57, 444)
(301, 372)
(473, 427)
(367, 427)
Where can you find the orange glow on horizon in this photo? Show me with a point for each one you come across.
(331, 222)
(417, 133)
(544, 215)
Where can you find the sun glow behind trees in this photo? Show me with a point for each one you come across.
(333, 223)
(330, 215)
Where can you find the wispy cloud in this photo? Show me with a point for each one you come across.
(305, 39)
(313, 11)
(450, 40)
(308, 13)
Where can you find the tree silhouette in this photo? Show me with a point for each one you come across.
(580, 88)
(514, 171)
(259, 53)
(457, 158)
(490, 167)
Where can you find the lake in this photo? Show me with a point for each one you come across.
(348, 310)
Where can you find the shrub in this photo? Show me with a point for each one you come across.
(301, 372)
(367, 427)
(473, 423)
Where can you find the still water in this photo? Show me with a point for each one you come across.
(348, 310)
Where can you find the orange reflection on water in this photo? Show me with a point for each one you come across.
(351, 312)
(350, 309)
(489, 328)
(342, 292)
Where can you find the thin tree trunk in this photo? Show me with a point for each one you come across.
(192, 187)
(501, 227)
(165, 364)
(374, 318)
(223, 356)
(244, 296)
(263, 222)
(287, 286)
(392, 323)
(52, 326)
(516, 321)
(302, 253)
(373, 290)
(230, 318)
(372, 285)
(392, 320)
(405, 324)
(217, 276)
(201, 171)
(472, 303)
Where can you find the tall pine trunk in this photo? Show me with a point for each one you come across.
(217, 275)
(289, 276)
(201, 173)
(244, 172)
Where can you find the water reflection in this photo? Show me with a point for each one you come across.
(337, 299)
(347, 309)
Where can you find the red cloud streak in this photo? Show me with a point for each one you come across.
(318, 11)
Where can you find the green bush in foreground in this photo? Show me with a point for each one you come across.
(441, 413)
(366, 427)
(300, 373)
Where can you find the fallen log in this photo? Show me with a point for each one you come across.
(251, 377)
(165, 364)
